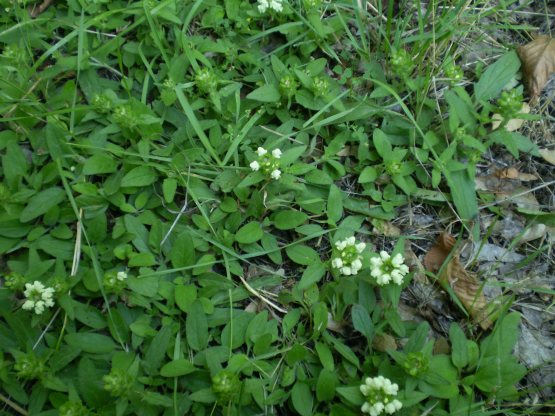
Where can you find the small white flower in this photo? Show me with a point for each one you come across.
(356, 265)
(384, 255)
(360, 247)
(337, 263)
(276, 153)
(276, 5)
(398, 405)
(340, 245)
(276, 174)
(255, 165)
(261, 151)
(346, 271)
(263, 5)
(397, 260)
(121, 276)
(38, 297)
(380, 395)
(350, 241)
(389, 408)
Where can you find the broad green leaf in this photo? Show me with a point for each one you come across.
(312, 274)
(90, 342)
(266, 93)
(325, 386)
(99, 163)
(185, 296)
(368, 174)
(496, 76)
(177, 368)
(325, 355)
(157, 351)
(464, 196)
(335, 204)
(288, 219)
(196, 327)
(183, 251)
(302, 398)
(249, 233)
(362, 322)
(382, 144)
(169, 186)
(40, 203)
(139, 176)
(302, 254)
(459, 349)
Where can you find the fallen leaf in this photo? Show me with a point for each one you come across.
(548, 155)
(464, 284)
(384, 342)
(514, 123)
(335, 326)
(538, 61)
(385, 228)
(441, 346)
(514, 173)
(533, 233)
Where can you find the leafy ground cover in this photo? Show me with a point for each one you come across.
(216, 207)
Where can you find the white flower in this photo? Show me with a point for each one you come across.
(340, 245)
(121, 276)
(276, 153)
(356, 265)
(38, 297)
(263, 5)
(276, 5)
(255, 165)
(386, 268)
(350, 241)
(360, 247)
(380, 395)
(337, 263)
(276, 174)
(346, 271)
(261, 151)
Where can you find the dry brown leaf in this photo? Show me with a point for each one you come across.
(538, 62)
(514, 123)
(384, 342)
(385, 228)
(441, 346)
(514, 173)
(548, 155)
(464, 284)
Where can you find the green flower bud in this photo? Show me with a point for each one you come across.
(71, 408)
(15, 281)
(320, 86)
(29, 366)
(416, 364)
(206, 80)
(402, 63)
(509, 103)
(226, 385)
(454, 72)
(119, 382)
(288, 86)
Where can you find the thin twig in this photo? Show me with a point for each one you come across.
(181, 212)
(491, 204)
(35, 11)
(13, 405)
(259, 296)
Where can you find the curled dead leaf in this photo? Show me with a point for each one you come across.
(538, 63)
(384, 342)
(464, 284)
(514, 173)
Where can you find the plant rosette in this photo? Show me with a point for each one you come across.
(347, 256)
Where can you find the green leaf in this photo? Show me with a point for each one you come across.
(139, 176)
(90, 342)
(459, 349)
(185, 296)
(142, 260)
(382, 144)
(156, 399)
(325, 386)
(249, 233)
(157, 350)
(169, 186)
(289, 219)
(325, 355)
(146, 286)
(42, 202)
(351, 394)
(177, 368)
(464, 196)
(335, 204)
(302, 254)
(183, 251)
(99, 163)
(362, 322)
(196, 327)
(301, 397)
(312, 274)
(368, 174)
(267, 93)
(496, 76)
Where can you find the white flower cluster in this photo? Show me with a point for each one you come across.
(264, 5)
(38, 297)
(380, 392)
(121, 276)
(386, 268)
(349, 261)
(269, 163)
